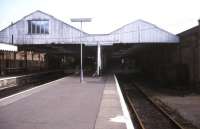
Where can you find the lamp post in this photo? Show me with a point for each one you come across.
(81, 20)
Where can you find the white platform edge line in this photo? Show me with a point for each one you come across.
(15, 77)
(129, 124)
(28, 92)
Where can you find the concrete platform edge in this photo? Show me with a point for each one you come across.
(129, 123)
(15, 97)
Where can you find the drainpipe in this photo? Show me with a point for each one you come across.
(12, 39)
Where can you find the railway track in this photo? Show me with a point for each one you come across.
(12, 89)
(145, 113)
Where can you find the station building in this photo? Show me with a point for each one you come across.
(45, 42)
(188, 51)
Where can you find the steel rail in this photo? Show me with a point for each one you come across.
(135, 112)
(158, 107)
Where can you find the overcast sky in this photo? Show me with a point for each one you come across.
(107, 15)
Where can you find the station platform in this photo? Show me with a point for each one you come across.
(67, 104)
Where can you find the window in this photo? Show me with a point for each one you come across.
(38, 27)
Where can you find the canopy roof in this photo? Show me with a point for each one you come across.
(60, 32)
(7, 47)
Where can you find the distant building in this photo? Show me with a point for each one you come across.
(189, 53)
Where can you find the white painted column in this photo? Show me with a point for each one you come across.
(98, 58)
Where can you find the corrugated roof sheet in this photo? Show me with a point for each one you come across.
(138, 31)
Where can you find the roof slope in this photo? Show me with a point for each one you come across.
(38, 11)
(189, 31)
(59, 31)
(142, 31)
(138, 31)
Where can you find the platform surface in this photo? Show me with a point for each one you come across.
(64, 104)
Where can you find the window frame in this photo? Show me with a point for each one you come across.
(36, 29)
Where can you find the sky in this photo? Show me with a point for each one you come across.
(174, 16)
